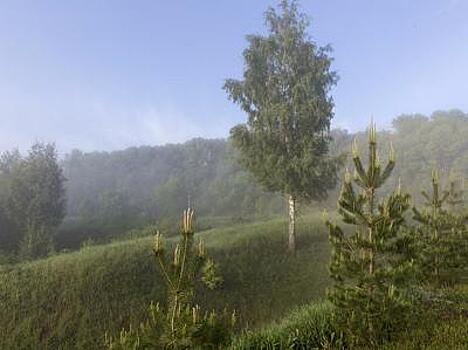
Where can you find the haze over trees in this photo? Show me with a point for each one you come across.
(285, 93)
(34, 199)
(109, 193)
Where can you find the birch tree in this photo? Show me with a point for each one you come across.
(285, 93)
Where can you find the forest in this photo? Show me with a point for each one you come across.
(111, 193)
(288, 233)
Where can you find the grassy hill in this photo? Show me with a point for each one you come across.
(70, 300)
(311, 327)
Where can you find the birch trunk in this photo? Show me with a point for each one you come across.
(292, 224)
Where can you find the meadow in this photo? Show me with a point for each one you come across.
(69, 301)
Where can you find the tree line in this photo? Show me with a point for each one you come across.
(142, 184)
(110, 192)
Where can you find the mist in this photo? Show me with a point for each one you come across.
(269, 174)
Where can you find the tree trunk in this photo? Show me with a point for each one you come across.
(292, 224)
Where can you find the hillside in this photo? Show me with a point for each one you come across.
(311, 327)
(70, 300)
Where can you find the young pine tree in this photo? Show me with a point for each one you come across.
(180, 324)
(368, 271)
(441, 233)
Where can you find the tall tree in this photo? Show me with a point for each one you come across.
(285, 93)
(8, 162)
(36, 201)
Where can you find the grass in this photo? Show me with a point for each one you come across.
(307, 327)
(312, 327)
(447, 335)
(70, 300)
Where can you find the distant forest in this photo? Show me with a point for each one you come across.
(109, 193)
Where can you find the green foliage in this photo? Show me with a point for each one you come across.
(285, 90)
(9, 237)
(200, 331)
(69, 301)
(182, 324)
(313, 326)
(447, 335)
(455, 199)
(210, 275)
(308, 327)
(7, 232)
(442, 325)
(114, 205)
(37, 242)
(441, 236)
(367, 267)
(221, 188)
(111, 193)
(285, 94)
(430, 142)
(34, 198)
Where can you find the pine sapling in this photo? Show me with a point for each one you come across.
(367, 266)
(181, 324)
(441, 233)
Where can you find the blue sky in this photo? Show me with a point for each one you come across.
(103, 75)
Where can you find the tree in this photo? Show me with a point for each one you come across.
(455, 199)
(367, 266)
(441, 233)
(430, 142)
(8, 162)
(7, 230)
(114, 206)
(36, 201)
(285, 93)
(180, 324)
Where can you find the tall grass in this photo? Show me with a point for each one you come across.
(312, 327)
(308, 327)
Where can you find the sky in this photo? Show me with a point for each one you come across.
(110, 74)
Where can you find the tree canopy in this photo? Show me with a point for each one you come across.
(34, 198)
(286, 96)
